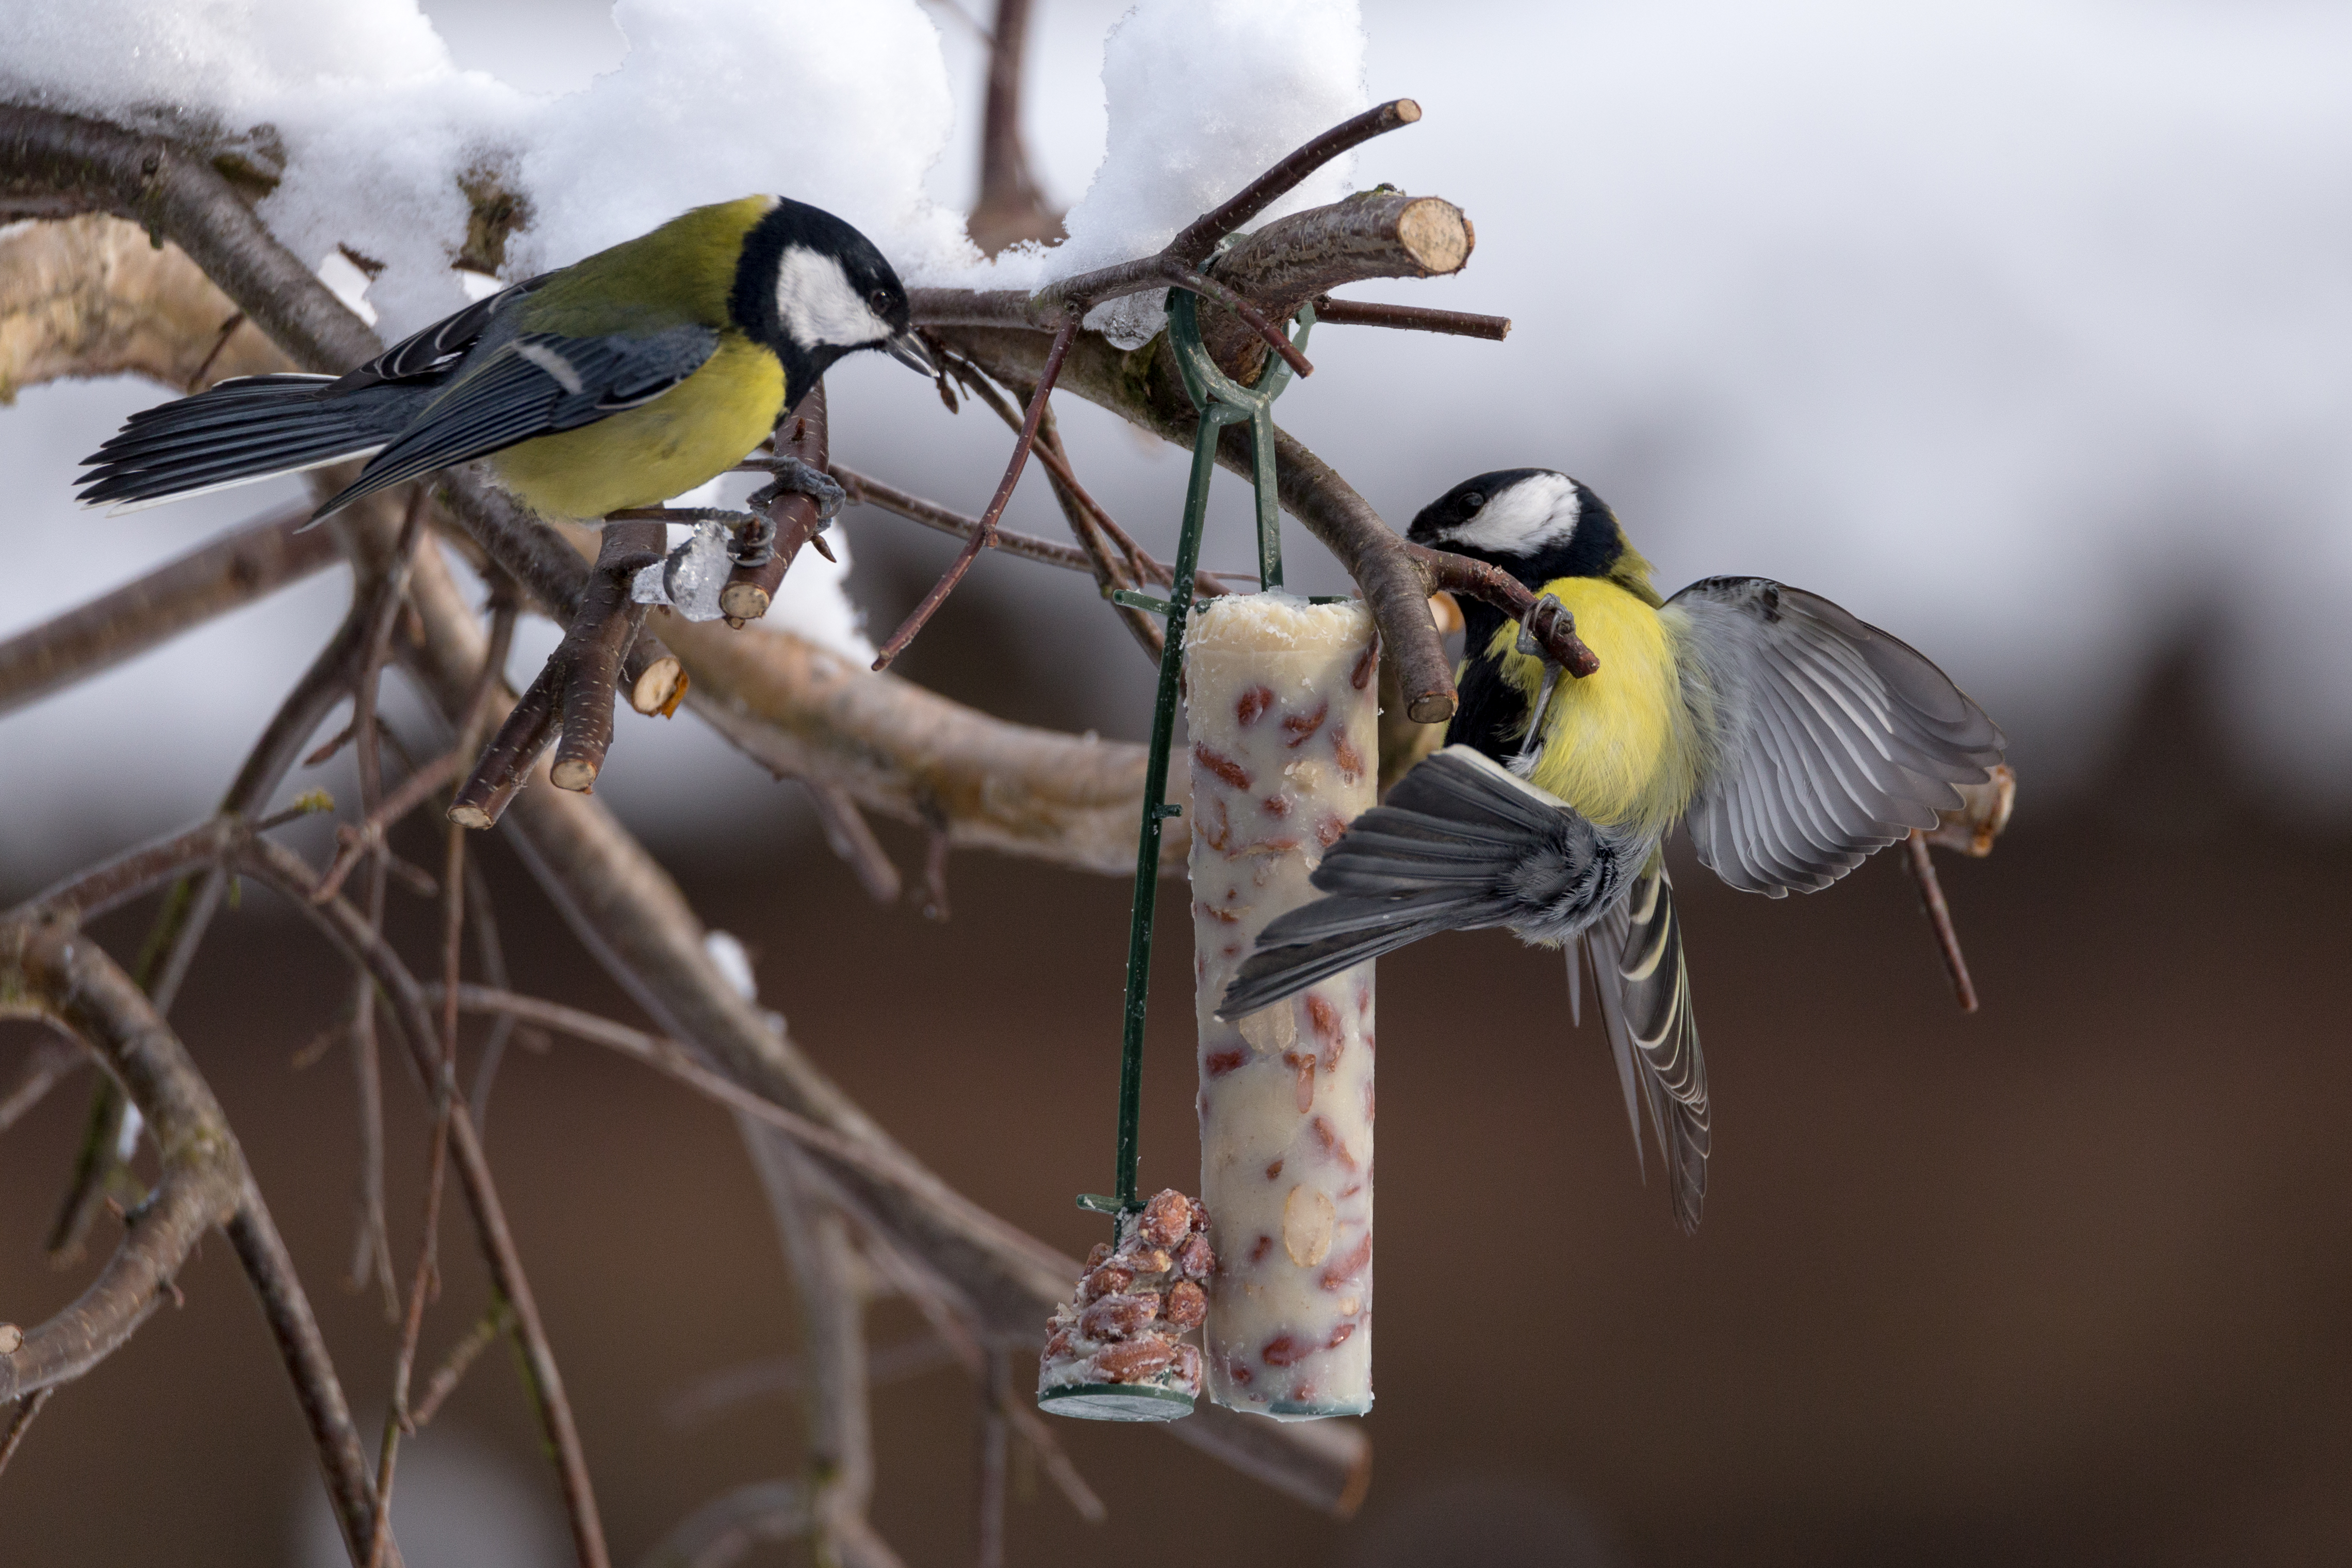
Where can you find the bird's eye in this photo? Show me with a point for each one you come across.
(879, 301)
(1473, 501)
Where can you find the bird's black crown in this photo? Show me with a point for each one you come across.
(1535, 523)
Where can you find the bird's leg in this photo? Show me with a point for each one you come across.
(757, 544)
(1546, 613)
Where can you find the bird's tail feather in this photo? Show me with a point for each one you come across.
(1439, 855)
(1644, 990)
(252, 427)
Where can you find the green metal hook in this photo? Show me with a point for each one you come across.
(1222, 401)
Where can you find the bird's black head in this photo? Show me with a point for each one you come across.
(813, 289)
(1534, 523)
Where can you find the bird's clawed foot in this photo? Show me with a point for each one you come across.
(1547, 632)
(1545, 619)
(793, 476)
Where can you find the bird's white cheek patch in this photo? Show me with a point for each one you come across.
(1534, 514)
(820, 305)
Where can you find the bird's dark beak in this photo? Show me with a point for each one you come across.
(908, 349)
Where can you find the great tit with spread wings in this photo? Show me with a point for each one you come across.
(626, 378)
(1789, 738)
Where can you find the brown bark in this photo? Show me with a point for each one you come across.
(233, 571)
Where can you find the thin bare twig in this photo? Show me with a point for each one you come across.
(1200, 236)
(922, 613)
(422, 783)
(994, 1446)
(668, 1056)
(245, 564)
(489, 953)
(934, 875)
(1940, 916)
(709, 1397)
(364, 945)
(422, 1282)
(721, 1532)
(846, 832)
(20, 1418)
(1410, 318)
(498, 1321)
(866, 490)
(48, 1061)
(827, 1279)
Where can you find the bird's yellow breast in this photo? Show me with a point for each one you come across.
(695, 431)
(1616, 745)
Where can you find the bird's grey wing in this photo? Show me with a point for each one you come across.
(536, 383)
(1643, 988)
(1826, 739)
(1460, 843)
(435, 350)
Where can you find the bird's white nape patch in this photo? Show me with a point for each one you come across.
(820, 305)
(1537, 513)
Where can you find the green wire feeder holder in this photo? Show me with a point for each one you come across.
(1222, 401)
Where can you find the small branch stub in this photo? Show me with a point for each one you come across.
(575, 690)
(806, 435)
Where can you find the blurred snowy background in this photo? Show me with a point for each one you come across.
(2016, 327)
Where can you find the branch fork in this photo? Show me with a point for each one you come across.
(575, 690)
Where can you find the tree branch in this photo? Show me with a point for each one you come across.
(233, 571)
(805, 435)
(360, 942)
(1011, 208)
(575, 690)
(92, 296)
(621, 902)
(48, 968)
(833, 1347)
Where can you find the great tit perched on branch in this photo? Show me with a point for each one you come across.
(626, 378)
(1792, 739)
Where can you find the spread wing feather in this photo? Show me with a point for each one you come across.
(1460, 843)
(1831, 738)
(1644, 990)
